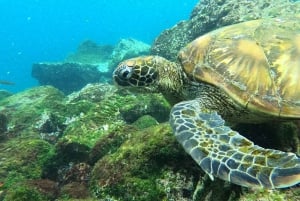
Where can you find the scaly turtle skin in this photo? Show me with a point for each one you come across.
(247, 72)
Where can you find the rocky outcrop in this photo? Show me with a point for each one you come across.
(90, 52)
(211, 14)
(89, 64)
(67, 77)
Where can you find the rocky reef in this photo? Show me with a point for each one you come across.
(67, 77)
(98, 142)
(104, 143)
(91, 63)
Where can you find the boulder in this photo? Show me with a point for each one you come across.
(67, 77)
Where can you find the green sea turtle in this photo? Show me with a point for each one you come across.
(247, 72)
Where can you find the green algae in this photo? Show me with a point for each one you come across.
(132, 172)
(23, 192)
(25, 109)
(23, 159)
(145, 121)
(89, 120)
(110, 142)
(266, 195)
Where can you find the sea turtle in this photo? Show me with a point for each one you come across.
(246, 72)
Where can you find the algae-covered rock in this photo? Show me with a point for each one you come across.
(110, 142)
(145, 121)
(101, 109)
(90, 52)
(22, 159)
(211, 14)
(138, 105)
(144, 168)
(27, 111)
(67, 77)
(92, 92)
(3, 124)
(4, 94)
(266, 195)
(35, 190)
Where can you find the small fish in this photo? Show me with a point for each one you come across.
(6, 82)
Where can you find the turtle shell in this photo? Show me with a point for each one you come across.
(257, 63)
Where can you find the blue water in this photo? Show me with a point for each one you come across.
(48, 30)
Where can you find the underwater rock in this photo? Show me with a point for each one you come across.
(22, 160)
(4, 94)
(90, 64)
(90, 52)
(127, 48)
(3, 124)
(145, 121)
(33, 190)
(76, 190)
(94, 92)
(79, 172)
(110, 142)
(211, 14)
(67, 77)
(153, 104)
(25, 111)
(99, 109)
(147, 166)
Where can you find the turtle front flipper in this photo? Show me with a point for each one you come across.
(224, 153)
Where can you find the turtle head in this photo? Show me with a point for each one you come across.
(137, 72)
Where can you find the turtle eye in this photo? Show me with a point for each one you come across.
(125, 72)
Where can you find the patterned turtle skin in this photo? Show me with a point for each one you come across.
(246, 72)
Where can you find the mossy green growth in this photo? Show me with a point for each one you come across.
(23, 192)
(24, 109)
(110, 142)
(133, 171)
(145, 121)
(138, 105)
(23, 159)
(98, 118)
(266, 195)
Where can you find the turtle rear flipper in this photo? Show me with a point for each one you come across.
(224, 153)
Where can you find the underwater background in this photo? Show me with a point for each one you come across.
(67, 133)
(47, 30)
